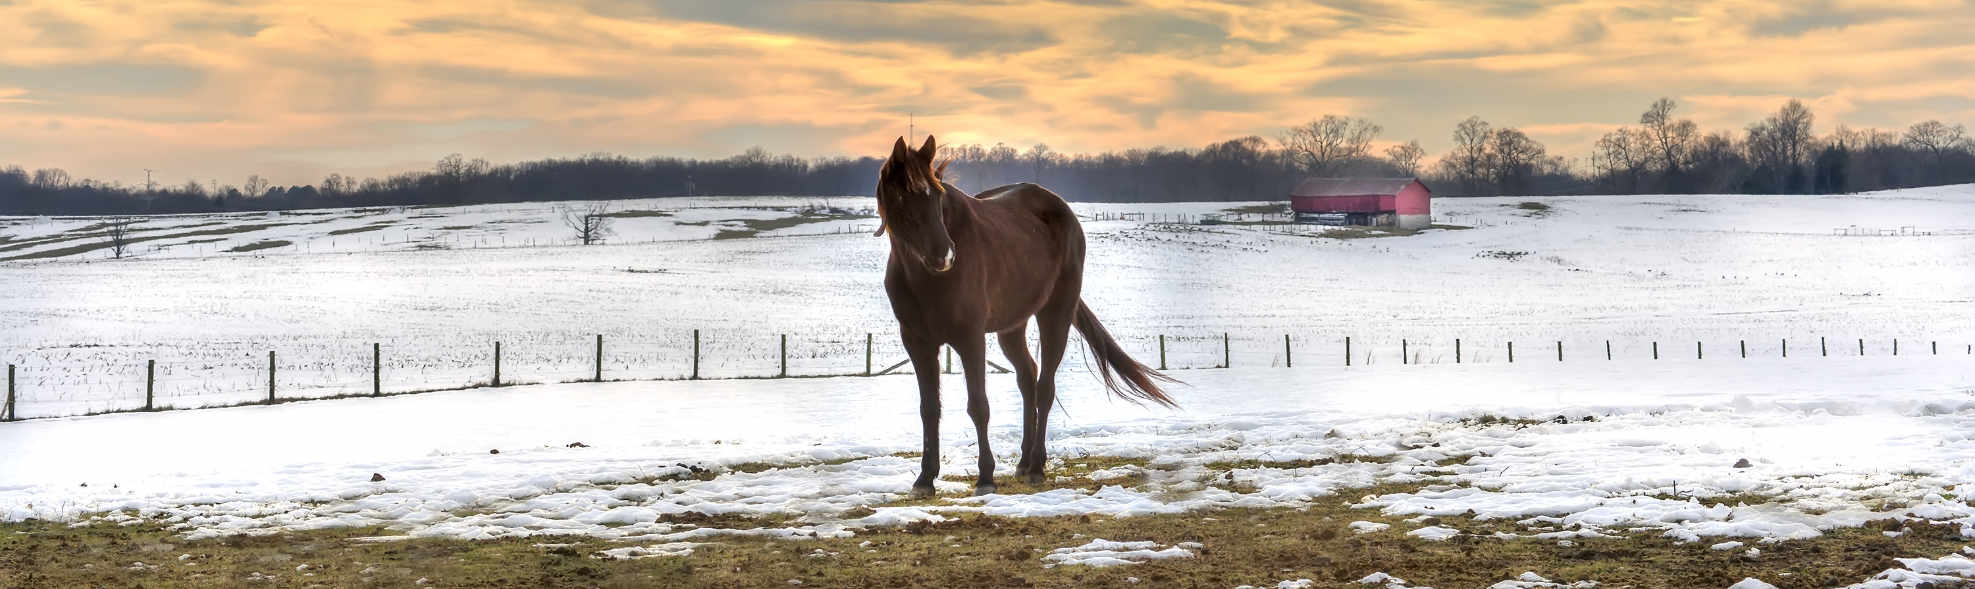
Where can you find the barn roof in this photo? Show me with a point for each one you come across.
(1351, 186)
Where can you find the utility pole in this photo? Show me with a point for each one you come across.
(911, 131)
(150, 189)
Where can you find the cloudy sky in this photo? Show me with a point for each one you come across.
(203, 89)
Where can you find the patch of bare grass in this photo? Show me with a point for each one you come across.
(1241, 546)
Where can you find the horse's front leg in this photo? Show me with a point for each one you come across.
(925, 365)
(973, 358)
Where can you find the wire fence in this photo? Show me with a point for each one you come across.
(75, 381)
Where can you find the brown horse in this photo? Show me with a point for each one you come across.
(966, 266)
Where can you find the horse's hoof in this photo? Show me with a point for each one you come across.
(1035, 477)
(987, 489)
(922, 492)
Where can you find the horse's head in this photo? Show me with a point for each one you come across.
(912, 203)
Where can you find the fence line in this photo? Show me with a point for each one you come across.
(596, 372)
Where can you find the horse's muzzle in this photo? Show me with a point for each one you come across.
(945, 263)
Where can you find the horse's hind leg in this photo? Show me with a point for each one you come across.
(1015, 345)
(973, 358)
(1053, 327)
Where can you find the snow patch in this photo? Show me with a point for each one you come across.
(1434, 533)
(649, 551)
(1104, 553)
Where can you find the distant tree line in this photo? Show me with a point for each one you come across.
(1776, 155)
(1662, 154)
(454, 180)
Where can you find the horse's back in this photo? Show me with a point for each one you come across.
(1041, 202)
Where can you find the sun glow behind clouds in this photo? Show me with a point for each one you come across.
(209, 88)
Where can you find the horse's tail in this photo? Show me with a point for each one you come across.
(1133, 381)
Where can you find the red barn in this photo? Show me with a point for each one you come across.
(1382, 202)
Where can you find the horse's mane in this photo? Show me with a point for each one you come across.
(938, 170)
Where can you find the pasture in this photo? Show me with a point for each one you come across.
(1825, 467)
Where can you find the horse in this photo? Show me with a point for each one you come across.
(964, 266)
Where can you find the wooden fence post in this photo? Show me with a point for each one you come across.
(949, 360)
(1896, 346)
(1512, 352)
(1934, 347)
(1227, 356)
(867, 354)
(10, 393)
(150, 382)
(1608, 350)
(785, 355)
(497, 363)
(1697, 350)
(1404, 356)
(1162, 351)
(1861, 346)
(376, 368)
(1786, 347)
(599, 358)
(1560, 350)
(1457, 350)
(695, 354)
(1745, 347)
(1656, 350)
(270, 376)
(1821, 349)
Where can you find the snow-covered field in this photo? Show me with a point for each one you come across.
(1721, 271)
(1824, 441)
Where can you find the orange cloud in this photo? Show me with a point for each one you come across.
(214, 88)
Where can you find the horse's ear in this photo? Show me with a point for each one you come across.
(899, 150)
(927, 151)
(884, 171)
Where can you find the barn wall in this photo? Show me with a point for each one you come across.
(1414, 205)
(1413, 200)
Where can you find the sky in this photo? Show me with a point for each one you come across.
(218, 89)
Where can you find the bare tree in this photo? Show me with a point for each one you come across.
(1469, 160)
(1513, 159)
(255, 185)
(1325, 145)
(1039, 157)
(1406, 156)
(1622, 156)
(337, 185)
(1780, 144)
(51, 178)
(1792, 124)
(1716, 164)
(591, 223)
(117, 229)
(1936, 138)
(452, 167)
(1672, 141)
